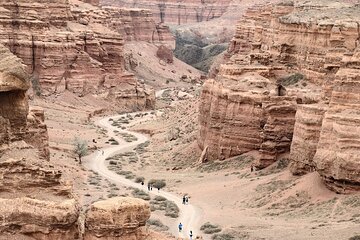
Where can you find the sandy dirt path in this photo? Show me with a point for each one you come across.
(189, 215)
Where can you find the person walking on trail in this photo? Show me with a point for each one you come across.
(148, 187)
(184, 199)
(158, 189)
(180, 227)
(191, 235)
(187, 199)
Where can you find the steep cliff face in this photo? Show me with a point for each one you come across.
(131, 24)
(66, 52)
(308, 52)
(337, 156)
(307, 129)
(177, 12)
(244, 116)
(51, 211)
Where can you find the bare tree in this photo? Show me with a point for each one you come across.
(80, 148)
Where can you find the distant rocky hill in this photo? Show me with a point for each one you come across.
(290, 87)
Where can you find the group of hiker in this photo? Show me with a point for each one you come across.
(149, 186)
(185, 200)
(181, 228)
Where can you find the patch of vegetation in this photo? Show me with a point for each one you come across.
(235, 163)
(160, 199)
(157, 225)
(156, 183)
(291, 79)
(162, 204)
(139, 179)
(209, 228)
(127, 174)
(137, 193)
(222, 236)
(171, 210)
(357, 237)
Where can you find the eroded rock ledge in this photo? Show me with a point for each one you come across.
(290, 86)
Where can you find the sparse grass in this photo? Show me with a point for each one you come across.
(157, 225)
(171, 210)
(111, 195)
(162, 204)
(235, 163)
(139, 179)
(222, 236)
(160, 199)
(209, 228)
(137, 193)
(156, 183)
(357, 237)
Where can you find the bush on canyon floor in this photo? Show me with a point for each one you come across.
(157, 225)
(162, 204)
(156, 183)
(137, 193)
(222, 236)
(357, 237)
(171, 210)
(209, 228)
(126, 174)
(139, 179)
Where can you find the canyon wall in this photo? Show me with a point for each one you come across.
(51, 211)
(307, 54)
(177, 12)
(64, 50)
(35, 201)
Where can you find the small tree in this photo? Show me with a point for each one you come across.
(80, 148)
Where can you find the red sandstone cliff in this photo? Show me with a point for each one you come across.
(66, 49)
(298, 58)
(177, 12)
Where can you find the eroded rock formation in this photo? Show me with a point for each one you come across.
(34, 200)
(65, 50)
(177, 12)
(307, 54)
(120, 218)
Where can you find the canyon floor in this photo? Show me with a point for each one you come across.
(266, 204)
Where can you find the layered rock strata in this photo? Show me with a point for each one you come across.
(307, 130)
(307, 51)
(337, 156)
(245, 117)
(34, 200)
(177, 12)
(63, 53)
(120, 218)
(132, 24)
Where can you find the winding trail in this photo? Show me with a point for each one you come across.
(189, 215)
